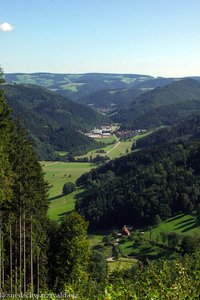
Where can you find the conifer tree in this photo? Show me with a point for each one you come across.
(30, 206)
(5, 175)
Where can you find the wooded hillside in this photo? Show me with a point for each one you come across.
(53, 120)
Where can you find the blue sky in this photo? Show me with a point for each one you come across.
(154, 37)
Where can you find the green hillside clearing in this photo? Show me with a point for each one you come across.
(56, 174)
(182, 224)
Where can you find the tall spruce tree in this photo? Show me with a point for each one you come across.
(5, 177)
(30, 206)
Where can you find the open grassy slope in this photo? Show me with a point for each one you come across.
(56, 174)
(119, 148)
(181, 223)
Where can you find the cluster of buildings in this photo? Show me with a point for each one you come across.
(125, 134)
(107, 131)
(103, 132)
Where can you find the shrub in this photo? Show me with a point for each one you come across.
(68, 188)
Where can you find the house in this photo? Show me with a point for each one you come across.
(126, 230)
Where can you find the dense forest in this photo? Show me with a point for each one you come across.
(166, 115)
(187, 129)
(141, 187)
(111, 99)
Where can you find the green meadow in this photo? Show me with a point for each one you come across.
(182, 224)
(114, 150)
(57, 174)
(130, 250)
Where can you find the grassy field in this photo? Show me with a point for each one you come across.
(181, 223)
(56, 174)
(124, 147)
(61, 153)
(106, 140)
(73, 87)
(130, 250)
(61, 205)
(184, 224)
(118, 149)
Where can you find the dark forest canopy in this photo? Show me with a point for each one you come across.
(139, 187)
(187, 129)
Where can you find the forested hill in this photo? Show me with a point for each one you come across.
(159, 101)
(111, 99)
(142, 187)
(52, 119)
(188, 129)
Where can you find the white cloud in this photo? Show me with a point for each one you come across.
(6, 27)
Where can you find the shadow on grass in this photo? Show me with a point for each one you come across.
(62, 215)
(56, 197)
(186, 221)
(188, 225)
(82, 194)
(185, 225)
(142, 256)
(179, 216)
(195, 225)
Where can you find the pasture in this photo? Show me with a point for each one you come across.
(57, 174)
(183, 224)
(117, 149)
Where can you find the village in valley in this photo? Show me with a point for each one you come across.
(107, 131)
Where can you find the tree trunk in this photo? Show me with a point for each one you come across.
(24, 254)
(2, 268)
(31, 258)
(38, 273)
(20, 253)
(10, 259)
(1, 247)
(16, 262)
